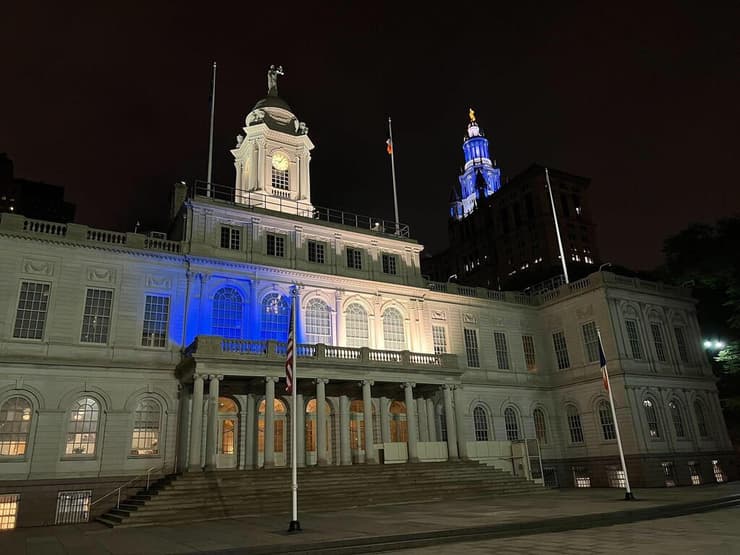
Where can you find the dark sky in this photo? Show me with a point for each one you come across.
(112, 103)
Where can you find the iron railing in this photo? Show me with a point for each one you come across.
(118, 489)
(280, 203)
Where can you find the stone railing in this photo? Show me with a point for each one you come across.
(14, 223)
(483, 293)
(211, 345)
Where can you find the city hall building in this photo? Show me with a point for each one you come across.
(125, 355)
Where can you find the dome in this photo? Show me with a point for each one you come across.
(272, 101)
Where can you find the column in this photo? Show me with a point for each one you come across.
(212, 425)
(196, 417)
(385, 425)
(345, 455)
(300, 428)
(413, 448)
(421, 409)
(269, 422)
(339, 332)
(321, 422)
(431, 420)
(462, 446)
(450, 423)
(241, 439)
(250, 450)
(367, 402)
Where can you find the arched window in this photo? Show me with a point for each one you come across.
(278, 423)
(147, 422)
(398, 422)
(274, 318)
(311, 423)
(480, 423)
(15, 426)
(356, 326)
(318, 322)
(394, 336)
(228, 309)
(512, 424)
(701, 420)
(652, 418)
(574, 425)
(608, 431)
(442, 419)
(540, 425)
(82, 429)
(675, 408)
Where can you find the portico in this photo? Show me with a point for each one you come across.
(354, 406)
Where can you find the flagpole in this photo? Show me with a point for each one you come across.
(393, 171)
(210, 140)
(294, 524)
(557, 227)
(628, 491)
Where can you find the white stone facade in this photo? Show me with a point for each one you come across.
(174, 344)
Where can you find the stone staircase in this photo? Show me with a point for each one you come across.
(210, 495)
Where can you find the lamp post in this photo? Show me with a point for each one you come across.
(604, 265)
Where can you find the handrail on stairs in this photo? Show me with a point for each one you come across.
(131, 481)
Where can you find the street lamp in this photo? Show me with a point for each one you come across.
(714, 344)
(601, 268)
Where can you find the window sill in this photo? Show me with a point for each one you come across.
(135, 457)
(67, 458)
(13, 459)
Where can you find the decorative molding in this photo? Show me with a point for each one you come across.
(439, 315)
(38, 267)
(100, 275)
(158, 282)
(585, 312)
(470, 318)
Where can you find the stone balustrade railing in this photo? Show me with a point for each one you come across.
(77, 233)
(206, 345)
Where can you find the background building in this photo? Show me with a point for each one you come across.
(502, 236)
(124, 354)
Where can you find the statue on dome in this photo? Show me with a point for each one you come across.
(272, 75)
(471, 115)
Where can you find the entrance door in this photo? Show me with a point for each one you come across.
(226, 450)
(280, 433)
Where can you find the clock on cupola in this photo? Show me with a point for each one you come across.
(272, 157)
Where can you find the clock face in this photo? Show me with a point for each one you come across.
(280, 161)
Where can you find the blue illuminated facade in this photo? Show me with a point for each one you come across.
(480, 178)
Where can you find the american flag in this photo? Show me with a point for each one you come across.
(602, 361)
(290, 354)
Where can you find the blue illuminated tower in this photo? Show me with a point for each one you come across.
(480, 178)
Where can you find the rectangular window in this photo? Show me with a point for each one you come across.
(591, 341)
(354, 258)
(719, 474)
(96, 317)
(615, 476)
(156, 317)
(9, 510)
(502, 350)
(230, 238)
(561, 350)
(73, 506)
(695, 473)
(275, 245)
(389, 264)
(669, 474)
(471, 348)
(280, 180)
(316, 252)
(529, 353)
(657, 330)
(634, 339)
(439, 336)
(683, 350)
(581, 478)
(33, 303)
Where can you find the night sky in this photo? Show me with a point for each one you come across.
(643, 99)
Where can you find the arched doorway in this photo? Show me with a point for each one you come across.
(398, 422)
(311, 438)
(357, 430)
(280, 429)
(228, 422)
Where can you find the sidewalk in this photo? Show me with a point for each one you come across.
(375, 528)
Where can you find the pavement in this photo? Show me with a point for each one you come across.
(560, 521)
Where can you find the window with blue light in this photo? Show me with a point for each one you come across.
(275, 316)
(228, 313)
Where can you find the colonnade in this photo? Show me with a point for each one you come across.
(421, 422)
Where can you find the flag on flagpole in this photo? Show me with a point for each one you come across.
(602, 361)
(289, 352)
(389, 146)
